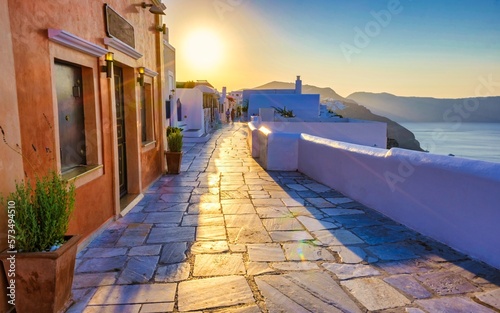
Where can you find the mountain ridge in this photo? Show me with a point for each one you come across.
(428, 109)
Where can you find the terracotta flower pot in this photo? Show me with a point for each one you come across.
(174, 160)
(43, 280)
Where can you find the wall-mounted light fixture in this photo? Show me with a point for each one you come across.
(140, 79)
(156, 7)
(109, 64)
(162, 29)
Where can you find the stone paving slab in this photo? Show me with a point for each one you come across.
(243, 220)
(375, 294)
(408, 285)
(348, 271)
(248, 235)
(131, 294)
(273, 211)
(258, 268)
(265, 252)
(174, 252)
(94, 280)
(272, 224)
(452, 305)
(218, 265)
(340, 237)
(447, 283)
(109, 264)
(304, 292)
(247, 208)
(313, 224)
(203, 220)
(491, 298)
(172, 273)
(145, 250)
(139, 269)
(391, 252)
(204, 247)
(349, 254)
(300, 251)
(295, 266)
(200, 294)
(283, 236)
(174, 234)
(210, 233)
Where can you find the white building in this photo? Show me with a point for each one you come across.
(199, 109)
(302, 105)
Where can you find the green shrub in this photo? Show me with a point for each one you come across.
(171, 129)
(284, 112)
(174, 141)
(244, 107)
(42, 214)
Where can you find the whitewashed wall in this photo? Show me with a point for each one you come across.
(453, 200)
(305, 106)
(192, 107)
(366, 133)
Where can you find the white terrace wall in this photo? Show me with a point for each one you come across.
(367, 133)
(354, 131)
(453, 200)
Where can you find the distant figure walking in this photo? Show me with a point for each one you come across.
(233, 113)
(227, 115)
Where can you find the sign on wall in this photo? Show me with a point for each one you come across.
(118, 27)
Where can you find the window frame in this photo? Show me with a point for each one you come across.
(92, 113)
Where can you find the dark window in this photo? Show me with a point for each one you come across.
(71, 116)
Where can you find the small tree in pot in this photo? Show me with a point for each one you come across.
(40, 258)
(174, 153)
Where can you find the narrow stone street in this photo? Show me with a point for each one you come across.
(227, 236)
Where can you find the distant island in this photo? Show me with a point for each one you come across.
(398, 136)
(420, 109)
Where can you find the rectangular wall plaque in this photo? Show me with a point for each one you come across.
(118, 27)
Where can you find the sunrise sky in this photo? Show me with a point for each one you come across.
(443, 49)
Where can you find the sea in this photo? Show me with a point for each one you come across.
(478, 141)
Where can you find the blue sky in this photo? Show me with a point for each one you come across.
(410, 48)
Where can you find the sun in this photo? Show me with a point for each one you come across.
(203, 49)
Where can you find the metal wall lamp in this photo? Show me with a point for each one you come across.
(156, 7)
(140, 79)
(162, 29)
(109, 64)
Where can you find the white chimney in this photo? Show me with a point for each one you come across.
(298, 86)
(223, 96)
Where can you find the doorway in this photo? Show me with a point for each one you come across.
(120, 130)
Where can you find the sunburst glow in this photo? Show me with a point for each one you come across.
(203, 49)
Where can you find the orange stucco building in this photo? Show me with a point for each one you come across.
(63, 107)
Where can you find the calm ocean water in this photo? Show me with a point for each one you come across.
(479, 141)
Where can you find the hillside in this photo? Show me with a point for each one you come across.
(420, 109)
(404, 137)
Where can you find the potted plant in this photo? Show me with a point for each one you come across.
(40, 260)
(174, 153)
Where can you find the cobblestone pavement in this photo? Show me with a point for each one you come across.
(227, 236)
